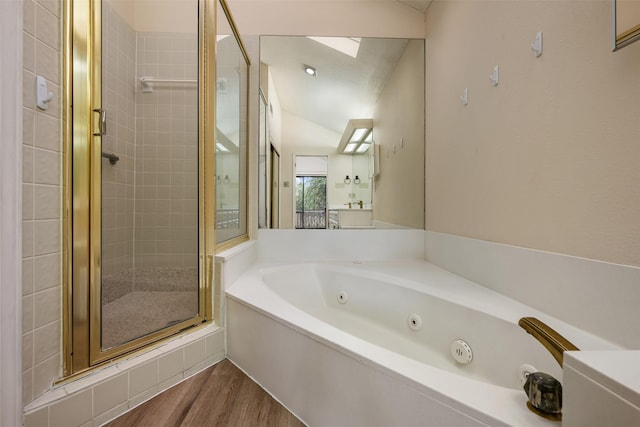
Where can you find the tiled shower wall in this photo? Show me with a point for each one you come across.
(41, 210)
(118, 99)
(166, 218)
(150, 194)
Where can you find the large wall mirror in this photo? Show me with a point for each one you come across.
(626, 22)
(358, 103)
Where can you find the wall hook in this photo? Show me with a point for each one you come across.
(465, 96)
(43, 96)
(536, 46)
(495, 76)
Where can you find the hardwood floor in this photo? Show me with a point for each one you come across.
(221, 395)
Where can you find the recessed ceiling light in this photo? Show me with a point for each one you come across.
(310, 70)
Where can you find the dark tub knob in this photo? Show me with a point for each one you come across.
(545, 395)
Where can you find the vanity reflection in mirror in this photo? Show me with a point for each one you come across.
(626, 22)
(357, 103)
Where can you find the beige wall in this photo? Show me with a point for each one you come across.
(548, 159)
(399, 121)
(359, 18)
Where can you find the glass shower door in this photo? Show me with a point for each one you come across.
(150, 161)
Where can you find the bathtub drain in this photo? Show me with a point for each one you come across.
(461, 352)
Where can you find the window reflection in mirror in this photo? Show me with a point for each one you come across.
(627, 22)
(357, 78)
(231, 134)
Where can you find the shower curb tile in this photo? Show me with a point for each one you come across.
(142, 378)
(215, 359)
(195, 369)
(214, 343)
(39, 418)
(110, 393)
(139, 360)
(143, 397)
(171, 364)
(171, 382)
(73, 411)
(111, 414)
(194, 353)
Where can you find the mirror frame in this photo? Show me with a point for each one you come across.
(244, 192)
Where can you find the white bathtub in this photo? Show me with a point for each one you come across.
(338, 344)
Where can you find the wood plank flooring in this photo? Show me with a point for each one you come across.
(221, 395)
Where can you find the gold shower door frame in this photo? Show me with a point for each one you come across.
(82, 160)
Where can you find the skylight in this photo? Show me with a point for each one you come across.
(347, 45)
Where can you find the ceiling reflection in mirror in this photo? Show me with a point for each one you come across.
(626, 22)
(375, 175)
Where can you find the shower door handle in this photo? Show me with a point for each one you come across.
(102, 122)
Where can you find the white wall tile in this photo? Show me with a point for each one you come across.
(214, 343)
(27, 385)
(47, 62)
(38, 418)
(48, 236)
(41, 55)
(27, 276)
(29, 53)
(170, 364)
(143, 397)
(46, 342)
(53, 6)
(143, 378)
(27, 239)
(72, 411)
(45, 373)
(29, 11)
(47, 307)
(194, 353)
(47, 271)
(47, 132)
(47, 201)
(170, 382)
(110, 393)
(28, 123)
(27, 350)
(47, 166)
(27, 164)
(109, 415)
(27, 313)
(48, 29)
(27, 201)
(29, 89)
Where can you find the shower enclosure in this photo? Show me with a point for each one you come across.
(137, 104)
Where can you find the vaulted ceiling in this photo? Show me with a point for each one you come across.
(345, 87)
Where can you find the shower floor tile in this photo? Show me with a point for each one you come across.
(139, 313)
